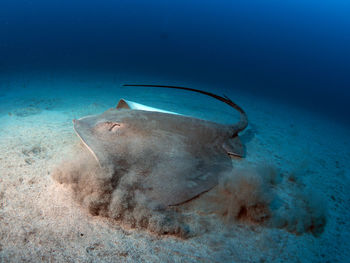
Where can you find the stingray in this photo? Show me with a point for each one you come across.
(178, 157)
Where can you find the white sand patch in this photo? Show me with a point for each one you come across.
(41, 221)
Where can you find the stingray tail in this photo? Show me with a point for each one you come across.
(238, 127)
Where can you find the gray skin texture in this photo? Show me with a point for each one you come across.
(178, 157)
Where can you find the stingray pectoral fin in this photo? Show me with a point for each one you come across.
(234, 147)
(183, 178)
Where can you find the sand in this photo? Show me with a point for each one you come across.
(41, 221)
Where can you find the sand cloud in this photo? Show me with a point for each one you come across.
(260, 195)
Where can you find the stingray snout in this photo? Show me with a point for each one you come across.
(75, 121)
(79, 124)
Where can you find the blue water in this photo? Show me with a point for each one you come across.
(295, 51)
(287, 63)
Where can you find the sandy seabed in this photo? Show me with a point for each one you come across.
(41, 221)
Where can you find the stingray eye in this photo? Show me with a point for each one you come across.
(112, 126)
(108, 126)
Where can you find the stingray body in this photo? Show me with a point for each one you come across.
(179, 157)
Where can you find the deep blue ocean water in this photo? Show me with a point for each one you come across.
(295, 51)
(287, 63)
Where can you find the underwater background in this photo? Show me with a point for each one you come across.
(286, 63)
(293, 51)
